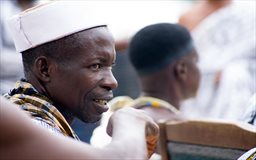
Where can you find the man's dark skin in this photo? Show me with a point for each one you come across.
(77, 87)
(181, 81)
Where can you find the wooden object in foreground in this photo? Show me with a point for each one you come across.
(206, 140)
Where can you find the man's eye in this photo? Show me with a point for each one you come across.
(95, 66)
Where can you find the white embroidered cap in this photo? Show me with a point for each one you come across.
(52, 21)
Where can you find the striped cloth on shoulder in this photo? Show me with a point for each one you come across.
(39, 107)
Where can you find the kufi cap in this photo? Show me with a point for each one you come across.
(51, 21)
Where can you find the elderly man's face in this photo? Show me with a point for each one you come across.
(85, 86)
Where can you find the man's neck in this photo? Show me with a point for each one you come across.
(170, 97)
(42, 90)
(158, 87)
(66, 114)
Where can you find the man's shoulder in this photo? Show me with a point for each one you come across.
(38, 115)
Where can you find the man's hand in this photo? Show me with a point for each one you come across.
(126, 121)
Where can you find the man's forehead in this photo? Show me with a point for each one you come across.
(50, 22)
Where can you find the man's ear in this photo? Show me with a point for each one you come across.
(43, 68)
(181, 70)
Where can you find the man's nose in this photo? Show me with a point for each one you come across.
(110, 81)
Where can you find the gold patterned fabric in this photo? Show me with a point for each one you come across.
(39, 107)
(125, 101)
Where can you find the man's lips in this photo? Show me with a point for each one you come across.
(101, 103)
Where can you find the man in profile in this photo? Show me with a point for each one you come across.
(68, 56)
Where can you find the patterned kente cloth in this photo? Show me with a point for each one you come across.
(40, 108)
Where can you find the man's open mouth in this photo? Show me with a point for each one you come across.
(101, 101)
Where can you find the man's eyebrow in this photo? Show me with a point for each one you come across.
(102, 59)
